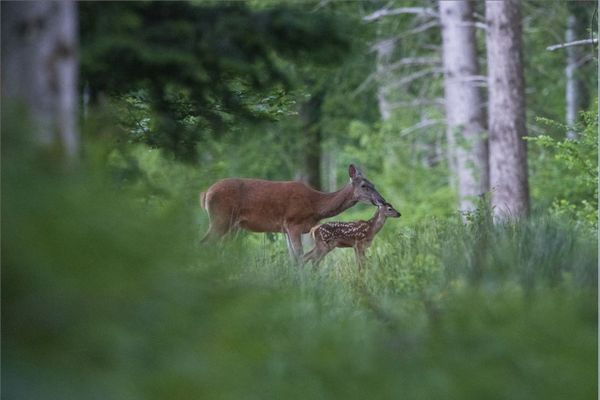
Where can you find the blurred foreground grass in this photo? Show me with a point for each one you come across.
(104, 298)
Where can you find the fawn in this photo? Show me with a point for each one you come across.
(357, 234)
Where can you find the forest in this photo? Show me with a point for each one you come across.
(476, 120)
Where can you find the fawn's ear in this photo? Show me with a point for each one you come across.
(354, 172)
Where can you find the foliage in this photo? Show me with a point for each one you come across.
(104, 297)
(201, 65)
(566, 171)
(106, 293)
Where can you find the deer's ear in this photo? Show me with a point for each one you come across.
(353, 172)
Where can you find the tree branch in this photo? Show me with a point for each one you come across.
(413, 77)
(386, 12)
(414, 61)
(363, 85)
(418, 103)
(569, 44)
(421, 125)
(418, 29)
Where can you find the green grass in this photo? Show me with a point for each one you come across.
(106, 297)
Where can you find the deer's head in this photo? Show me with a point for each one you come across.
(389, 210)
(364, 190)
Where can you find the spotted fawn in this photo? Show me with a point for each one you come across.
(358, 235)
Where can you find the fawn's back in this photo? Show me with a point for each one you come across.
(342, 234)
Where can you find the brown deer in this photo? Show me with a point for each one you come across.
(356, 234)
(280, 206)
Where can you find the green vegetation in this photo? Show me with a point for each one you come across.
(109, 297)
(107, 294)
(568, 170)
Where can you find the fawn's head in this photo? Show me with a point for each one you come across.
(389, 210)
(364, 190)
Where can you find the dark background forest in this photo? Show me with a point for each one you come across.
(477, 120)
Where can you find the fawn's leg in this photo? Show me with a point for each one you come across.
(322, 251)
(310, 255)
(316, 254)
(359, 252)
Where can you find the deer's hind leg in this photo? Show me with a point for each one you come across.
(219, 225)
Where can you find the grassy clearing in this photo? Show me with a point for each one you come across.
(102, 299)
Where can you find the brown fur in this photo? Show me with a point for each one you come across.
(357, 234)
(290, 207)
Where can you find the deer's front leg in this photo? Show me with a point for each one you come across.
(294, 237)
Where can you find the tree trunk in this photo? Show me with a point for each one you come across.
(329, 170)
(465, 115)
(508, 152)
(310, 114)
(384, 49)
(575, 95)
(39, 68)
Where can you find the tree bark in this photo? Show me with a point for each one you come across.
(384, 49)
(572, 84)
(39, 68)
(310, 114)
(575, 91)
(465, 114)
(508, 152)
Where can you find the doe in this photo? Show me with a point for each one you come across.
(357, 234)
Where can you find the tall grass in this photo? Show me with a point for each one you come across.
(105, 298)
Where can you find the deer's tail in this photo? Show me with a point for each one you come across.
(313, 230)
(203, 200)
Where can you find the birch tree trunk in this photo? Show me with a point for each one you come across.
(39, 68)
(508, 152)
(465, 114)
(572, 85)
(576, 95)
(384, 49)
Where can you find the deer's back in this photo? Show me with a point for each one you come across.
(260, 205)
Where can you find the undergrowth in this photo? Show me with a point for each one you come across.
(103, 298)
(107, 296)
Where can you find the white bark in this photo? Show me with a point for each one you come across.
(384, 12)
(508, 152)
(465, 116)
(573, 43)
(384, 49)
(572, 84)
(39, 68)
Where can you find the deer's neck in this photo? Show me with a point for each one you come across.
(376, 222)
(331, 204)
